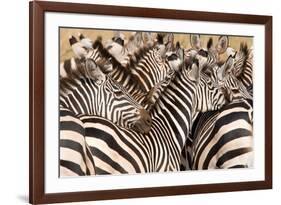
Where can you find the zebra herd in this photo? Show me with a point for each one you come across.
(148, 105)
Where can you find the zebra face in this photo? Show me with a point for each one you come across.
(174, 60)
(128, 112)
(209, 96)
(117, 51)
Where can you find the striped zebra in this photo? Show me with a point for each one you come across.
(236, 93)
(118, 150)
(223, 76)
(75, 157)
(123, 51)
(87, 90)
(224, 138)
(243, 66)
(146, 69)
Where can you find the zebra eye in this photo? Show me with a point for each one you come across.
(209, 82)
(118, 93)
(107, 89)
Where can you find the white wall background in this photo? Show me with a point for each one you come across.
(14, 100)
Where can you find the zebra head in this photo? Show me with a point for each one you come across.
(126, 111)
(195, 41)
(88, 91)
(208, 95)
(227, 75)
(174, 60)
(118, 51)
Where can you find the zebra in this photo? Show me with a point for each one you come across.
(225, 73)
(222, 75)
(122, 51)
(243, 66)
(239, 96)
(141, 73)
(224, 138)
(118, 150)
(87, 90)
(75, 155)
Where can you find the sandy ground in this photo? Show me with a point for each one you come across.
(184, 39)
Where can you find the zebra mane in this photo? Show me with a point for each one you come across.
(210, 43)
(244, 50)
(76, 75)
(160, 38)
(134, 60)
(104, 52)
(73, 74)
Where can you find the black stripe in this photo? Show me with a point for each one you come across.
(232, 154)
(90, 157)
(72, 126)
(112, 143)
(238, 166)
(72, 166)
(73, 146)
(100, 171)
(66, 112)
(129, 134)
(104, 157)
(224, 139)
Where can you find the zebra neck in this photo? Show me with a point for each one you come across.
(174, 109)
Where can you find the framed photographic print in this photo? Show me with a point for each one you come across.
(139, 102)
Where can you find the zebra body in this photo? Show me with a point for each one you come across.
(118, 150)
(143, 72)
(76, 158)
(95, 93)
(223, 138)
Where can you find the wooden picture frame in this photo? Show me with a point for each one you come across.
(37, 10)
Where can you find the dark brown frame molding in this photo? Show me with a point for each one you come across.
(37, 10)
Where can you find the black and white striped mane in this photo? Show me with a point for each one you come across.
(244, 50)
(132, 64)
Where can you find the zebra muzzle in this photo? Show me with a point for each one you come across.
(143, 125)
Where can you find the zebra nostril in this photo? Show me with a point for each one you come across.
(148, 120)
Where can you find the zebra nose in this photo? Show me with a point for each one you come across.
(143, 125)
(145, 117)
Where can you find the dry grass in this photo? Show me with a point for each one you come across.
(66, 52)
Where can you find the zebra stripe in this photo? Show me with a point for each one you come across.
(103, 97)
(75, 155)
(144, 70)
(223, 139)
(243, 67)
(119, 150)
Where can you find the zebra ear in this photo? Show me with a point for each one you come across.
(243, 56)
(194, 73)
(202, 61)
(180, 52)
(169, 42)
(222, 44)
(138, 38)
(94, 71)
(225, 68)
(195, 41)
(210, 44)
(148, 38)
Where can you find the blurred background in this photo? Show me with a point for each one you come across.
(184, 39)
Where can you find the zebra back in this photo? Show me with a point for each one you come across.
(224, 139)
(75, 155)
